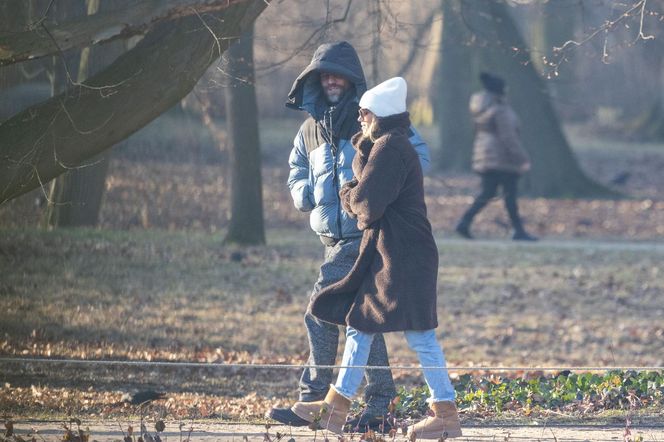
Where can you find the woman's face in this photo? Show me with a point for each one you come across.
(366, 118)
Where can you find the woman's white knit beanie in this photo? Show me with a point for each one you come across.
(387, 98)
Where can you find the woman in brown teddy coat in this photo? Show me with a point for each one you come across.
(392, 286)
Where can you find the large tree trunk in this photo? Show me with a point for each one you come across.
(555, 171)
(45, 140)
(456, 73)
(552, 25)
(76, 196)
(246, 190)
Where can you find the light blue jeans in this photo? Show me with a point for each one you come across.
(429, 353)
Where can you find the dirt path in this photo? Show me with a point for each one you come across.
(563, 244)
(110, 431)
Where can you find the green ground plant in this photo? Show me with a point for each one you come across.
(572, 392)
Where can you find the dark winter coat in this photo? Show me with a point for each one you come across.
(392, 286)
(497, 143)
(320, 164)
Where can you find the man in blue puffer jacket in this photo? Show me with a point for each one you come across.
(329, 89)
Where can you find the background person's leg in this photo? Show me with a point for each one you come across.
(489, 188)
(510, 182)
(510, 189)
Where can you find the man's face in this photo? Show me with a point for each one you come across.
(334, 86)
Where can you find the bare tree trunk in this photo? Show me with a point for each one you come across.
(455, 87)
(555, 171)
(246, 190)
(76, 196)
(45, 140)
(376, 15)
(649, 126)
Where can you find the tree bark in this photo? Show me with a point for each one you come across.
(45, 140)
(76, 195)
(649, 126)
(555, 171)
(49, 39)
(246, 189)
(456, 131)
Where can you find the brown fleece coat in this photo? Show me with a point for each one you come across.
(392, 286)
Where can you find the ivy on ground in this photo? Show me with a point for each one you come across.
(582, 392)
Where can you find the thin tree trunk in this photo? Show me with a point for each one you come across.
(649, 126)
(76, 196)
(246, 208)
(455, 83)
(375, 44)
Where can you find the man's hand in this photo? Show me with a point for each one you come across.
(344, 196)
(525, 167)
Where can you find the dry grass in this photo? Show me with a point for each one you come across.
(152, 295)
(156, 282)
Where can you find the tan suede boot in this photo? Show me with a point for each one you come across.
(328, 414)
(444, 424)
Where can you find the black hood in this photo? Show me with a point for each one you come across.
(337, 58)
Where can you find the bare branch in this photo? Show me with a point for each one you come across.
(311, 37)
(608, 26)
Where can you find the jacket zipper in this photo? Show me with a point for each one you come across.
(335, 171)
(336, 189)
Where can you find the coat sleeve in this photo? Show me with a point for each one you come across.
(344, 196)
(380, 185)
(421, 148)
(299, 178)
(507, 132)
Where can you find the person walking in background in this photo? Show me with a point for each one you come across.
(498, 156)
(328, 89)
(392, 285)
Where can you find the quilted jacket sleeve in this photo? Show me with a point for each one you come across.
(299, 178)
(421, 148)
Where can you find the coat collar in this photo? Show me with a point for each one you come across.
(393, 123)
(397, 122)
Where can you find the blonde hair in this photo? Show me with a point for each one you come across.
(369, 133)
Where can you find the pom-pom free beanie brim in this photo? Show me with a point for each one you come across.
(387, 98)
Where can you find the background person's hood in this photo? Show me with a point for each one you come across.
(337, 58)
(481, 106)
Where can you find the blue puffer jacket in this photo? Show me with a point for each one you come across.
(318, 168)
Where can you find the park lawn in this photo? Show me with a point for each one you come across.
(157, 295)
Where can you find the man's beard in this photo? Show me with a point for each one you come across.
(334, 97)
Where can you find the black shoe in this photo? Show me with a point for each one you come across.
(363, 422)
(523, 236)
(463, 230)
(286, 416)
